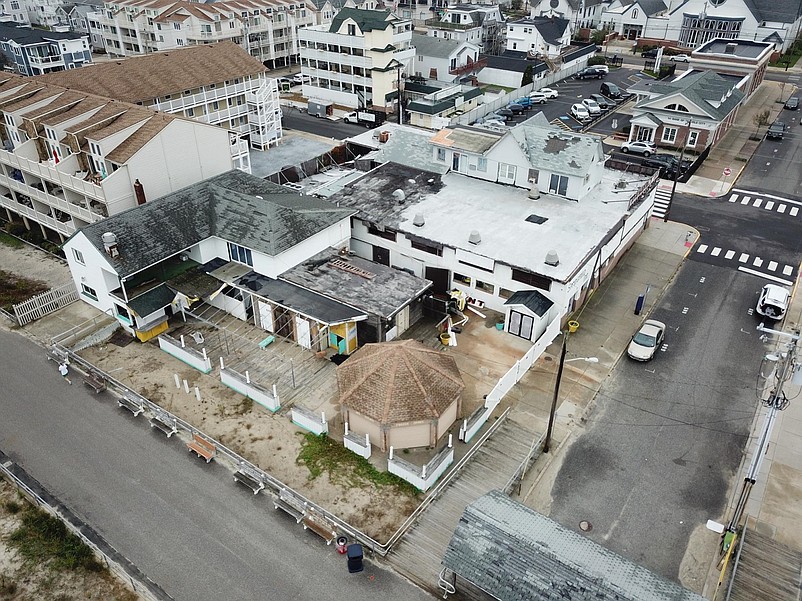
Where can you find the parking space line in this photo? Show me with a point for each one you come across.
(702, 248)
(772, 266)
(729, 254)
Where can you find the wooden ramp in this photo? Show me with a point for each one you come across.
(420, 552)
(766, 570)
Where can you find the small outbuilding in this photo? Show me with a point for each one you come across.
(402, 394)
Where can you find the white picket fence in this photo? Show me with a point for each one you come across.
(43, 304)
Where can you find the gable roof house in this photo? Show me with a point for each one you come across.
(445, 60)
(530, 209)
(693, 23)
(72, 158)
(224, 241)
(629, 18)
(474, 23)
(539, 36)
(503, 551)
(695, 110)
(36, 51)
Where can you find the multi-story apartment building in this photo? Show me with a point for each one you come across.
(70, 158)
(480, 25)
(14, 11)
(219, 84)
(35, 51)
(74, 17)
(43, 12)
(358, 60)
(324, 10)
(267, 29)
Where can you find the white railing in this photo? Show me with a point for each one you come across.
(205, 97)
(425, 476)
(243, 384)
(45, 303)
(309, 420)
(357, 444)
(62, 204)
(66, 227)
(52, 174)
(337, 58)
(189, 356)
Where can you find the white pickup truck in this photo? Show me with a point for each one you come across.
(360, 117)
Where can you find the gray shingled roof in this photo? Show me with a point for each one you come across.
(652, 7)
(704, 89)
(563, 152)
(366, 20)
(516, 554)
(436, 47)
(233, 206)
(152, 300)
(782, 11)
(26, 35)
(534, 300)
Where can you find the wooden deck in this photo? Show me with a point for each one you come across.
(767, 570)
(420, 552)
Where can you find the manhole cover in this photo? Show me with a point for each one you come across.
(548, 359)
(585, 526)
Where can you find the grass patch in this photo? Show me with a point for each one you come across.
(789, 59)
(41, 539)
(14, 289)
(321, 454)
(10, 241)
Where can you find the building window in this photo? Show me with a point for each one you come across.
(240, 254)
(677, 107)
(669, 134)
(176, 25)
(351, 29)
(387, 234)
(485, 287)
(462, 279)
(693, 137)
(481, 164)
(441, 154)
(634, 13)
(531, 279)
(427, 247)
(534, 176)
(506, 171)
(190, 112)
(558, 184)
(87, 291)
(504, 293)
(122, 313)
(78, 255)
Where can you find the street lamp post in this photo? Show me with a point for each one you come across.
(563, 361)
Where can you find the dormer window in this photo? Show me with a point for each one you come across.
(95, 149)
(351, 29)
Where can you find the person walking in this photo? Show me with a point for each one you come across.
(64, 370)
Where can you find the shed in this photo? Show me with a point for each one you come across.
(528, 313)
(402, 394)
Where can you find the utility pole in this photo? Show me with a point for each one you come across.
(677, 172)
(776, 402)
(550, 427)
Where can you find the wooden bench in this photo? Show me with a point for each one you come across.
(53, 354)
(320, 527)
(163, 423)
(133, 406)
(248, 479)
(95, 381)
(202, 447)
(290, 504)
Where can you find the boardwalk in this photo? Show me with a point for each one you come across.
(419, 554)
(767, 570)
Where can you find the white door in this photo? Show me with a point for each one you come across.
(266, 316)
(402, 320)
(303, 333)
(506, 173)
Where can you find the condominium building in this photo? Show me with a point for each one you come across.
(267, 29)
(14, 11)
(70, 158)
(219, 84)
(358, 60)
(35, 51)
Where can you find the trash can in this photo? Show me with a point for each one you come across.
(639, 304)
(342, 543)
(355, 559)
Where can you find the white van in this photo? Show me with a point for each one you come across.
(773, 301)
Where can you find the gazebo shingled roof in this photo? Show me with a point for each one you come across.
(399, 382)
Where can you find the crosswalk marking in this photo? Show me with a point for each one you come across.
(743, 258)
(769, 205)
(793, 212)
(757, 203)
(716, 251)
(702, 248)
(781, 209)
(788, 270)
(733, 197)
(730, 254)
(757, 262)
(772, 266)
(746, 200)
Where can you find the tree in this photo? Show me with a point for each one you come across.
(527, 78)
(598, 35)
(760, 119)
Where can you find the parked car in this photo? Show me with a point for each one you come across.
(647, 149)
(580, 112)
(548, 92)
(525, 102)
(516, 109)
(283, 81)
(300, 78)
(773, 301)
(651, 53)
(647, 340)
(593, 108)
(668, 169)
(776, 131)
(670, 158)
(603, 103)
(603, 68)
(792, 103)
(494, 123)
(679, 58)
(589, 73)
(497, 116)
(610, 90)
(537, 98)
(506, 112)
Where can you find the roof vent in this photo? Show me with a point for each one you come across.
(730, 48)
(552, 258)
(418, 221)
(110, 245)
(474, 238)
(399, 196)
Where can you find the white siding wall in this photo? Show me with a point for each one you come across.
(95, 272)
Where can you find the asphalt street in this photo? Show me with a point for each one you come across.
(184, 523)
(294, 119)
(667, 436)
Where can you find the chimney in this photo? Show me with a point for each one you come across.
(139, 192)
(110, 245)
(474, 238)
